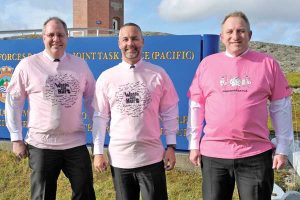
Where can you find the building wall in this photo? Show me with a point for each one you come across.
(80, 13)
(98, 10)
(116, 12)
(86, 13)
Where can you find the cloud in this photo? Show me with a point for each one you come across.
(274, 20)
(284, 33)
(31, 14)
(268, 10)
(186, 10)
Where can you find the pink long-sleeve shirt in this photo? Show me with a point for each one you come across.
(135, 100)
(55, 93)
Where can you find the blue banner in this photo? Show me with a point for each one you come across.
(178, 55)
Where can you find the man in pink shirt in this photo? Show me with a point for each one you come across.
(55, 83)
(135, 96)
(231, 90)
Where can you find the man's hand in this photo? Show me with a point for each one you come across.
(19, 149)
(170, 158)
(279, 161)
(100, 163)
(195, 157)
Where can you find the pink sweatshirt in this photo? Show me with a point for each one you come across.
(135, 101)
(55, 91)
(234, 92)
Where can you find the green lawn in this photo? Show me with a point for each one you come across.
(182, 185)
(15, 185)
(293, 79)
(294, 82)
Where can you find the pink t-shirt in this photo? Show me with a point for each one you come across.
(55, 92)
(234, 92)
(134, 100)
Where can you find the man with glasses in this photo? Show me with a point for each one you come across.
(55, 83)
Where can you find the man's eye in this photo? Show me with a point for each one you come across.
(52, 35)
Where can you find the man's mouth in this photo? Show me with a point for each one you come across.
(131, 50)
(235, 42)
(56, 45)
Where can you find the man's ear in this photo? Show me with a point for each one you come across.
(250, 34)
(221, 37)
(119, 44)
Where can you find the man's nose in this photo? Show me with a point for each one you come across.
(235, 35)
(56, 37)
(130, 42)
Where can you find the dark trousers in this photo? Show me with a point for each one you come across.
(46, 165)
(253, 175)
(150, 180)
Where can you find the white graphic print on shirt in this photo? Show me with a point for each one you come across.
(133, 98)
(235, 83)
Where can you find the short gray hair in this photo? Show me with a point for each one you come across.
(57, 19)
(132, 24)
(238, 14)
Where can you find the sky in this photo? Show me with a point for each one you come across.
(274, 21)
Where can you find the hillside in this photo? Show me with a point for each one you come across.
(287, 55)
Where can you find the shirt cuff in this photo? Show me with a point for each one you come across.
(171, 139)
(98, 148)
(16, 136)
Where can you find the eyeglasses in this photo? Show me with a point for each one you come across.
(59, 35)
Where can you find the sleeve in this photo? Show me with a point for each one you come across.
(89, 93)
(170, 124)
(196, 110)
(168, 110)
(195, 92)
(280, 87)
(195, 124)
(169, 95)
(99, 129)
(14, 104)
(101, 116)
(281, 116)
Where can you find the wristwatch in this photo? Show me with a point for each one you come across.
(173, 146)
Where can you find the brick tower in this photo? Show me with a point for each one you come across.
(108, 14)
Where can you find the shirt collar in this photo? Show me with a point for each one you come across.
(45, 53)
(232, 56)
(136, 65)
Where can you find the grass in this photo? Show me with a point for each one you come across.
(294, 82)
(293, 79)
(182, 185)
(295, 113)
(15, 182)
